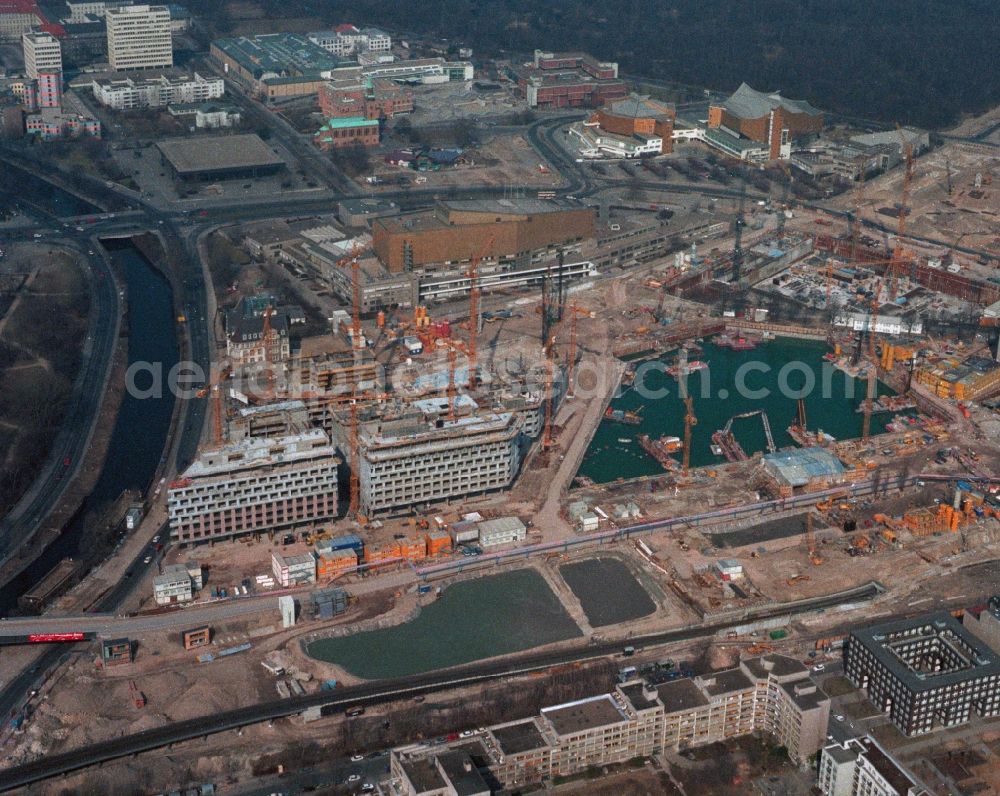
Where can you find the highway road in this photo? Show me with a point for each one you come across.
(383, 691)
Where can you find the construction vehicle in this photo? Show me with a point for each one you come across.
(796, 579)
(759, 648)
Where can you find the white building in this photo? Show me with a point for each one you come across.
(421, 460)
(177, 584)
(293, 570)
(595, 143)
(861, 767)
(126, 93)
(347, 40)
(79, 11)
(15, 20)
(139, 38)
(255, 485)
(42, 53)
(503, 530)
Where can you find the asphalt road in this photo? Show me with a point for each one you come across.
(383, 691)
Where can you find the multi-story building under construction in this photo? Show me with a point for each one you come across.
(254, 485)
(422, 457)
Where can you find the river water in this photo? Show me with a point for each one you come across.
(140, 432)
(615, 453)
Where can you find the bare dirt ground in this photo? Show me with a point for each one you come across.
(506, 160)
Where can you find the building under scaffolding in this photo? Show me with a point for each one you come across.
(807, 467)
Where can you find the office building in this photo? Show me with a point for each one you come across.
(567, 80)
(18, 17)
(277, 66)
(510, 232)
(80, 10)
(255, 485)
(48, 90)
(139, 37)
(502, 530)
(861, 767)
(371, 99)
(42, 53)
(128, 93)
(69, 119)
(423, 458)
(347, 40)
(925, 672)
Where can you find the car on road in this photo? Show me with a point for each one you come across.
(354, 778)
(838, 717)
(67, 461)
(156, 538)
(818, 667)
(367, 788)
(466, 733)
(357, 758)
(90, 251)
(147, 559)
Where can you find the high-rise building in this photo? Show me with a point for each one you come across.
(139, 37)
(42, 53)
(49, 85)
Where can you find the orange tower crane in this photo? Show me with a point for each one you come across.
(689, 422)
(454, 347)
(859, 195)
(355, 444)
(473, 275)
(354, 260)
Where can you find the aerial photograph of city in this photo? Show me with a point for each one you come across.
(448, 398)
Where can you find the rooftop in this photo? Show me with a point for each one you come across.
(799, 467)
(726, 682)
(636, 694)
(584, 714)
(521, 736)
(641, 107)
(192, 155)
(682, 694)
(463, 773)
(423, 774)
(897, 646)
(260, 452)
(887, 767)
(748, 103)
(283, 54)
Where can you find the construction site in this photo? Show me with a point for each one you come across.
(423, 474)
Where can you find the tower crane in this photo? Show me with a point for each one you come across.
(574, 311)
(473, 275)
(814, 557)
(454, 348)
(548, 352)
(357, 341)
(859, 195)
(898, 253)
(689, 422)
(738, 235)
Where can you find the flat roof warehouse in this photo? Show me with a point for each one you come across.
(228, 156)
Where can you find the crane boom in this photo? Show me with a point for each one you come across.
(473, 275)
(689, 421)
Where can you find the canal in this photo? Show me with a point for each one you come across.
(140, 432)
(471, 620)
(831, 406)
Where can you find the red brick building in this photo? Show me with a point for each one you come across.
(382, 100)
(639, 116)
(766, 118)
(568, 80)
